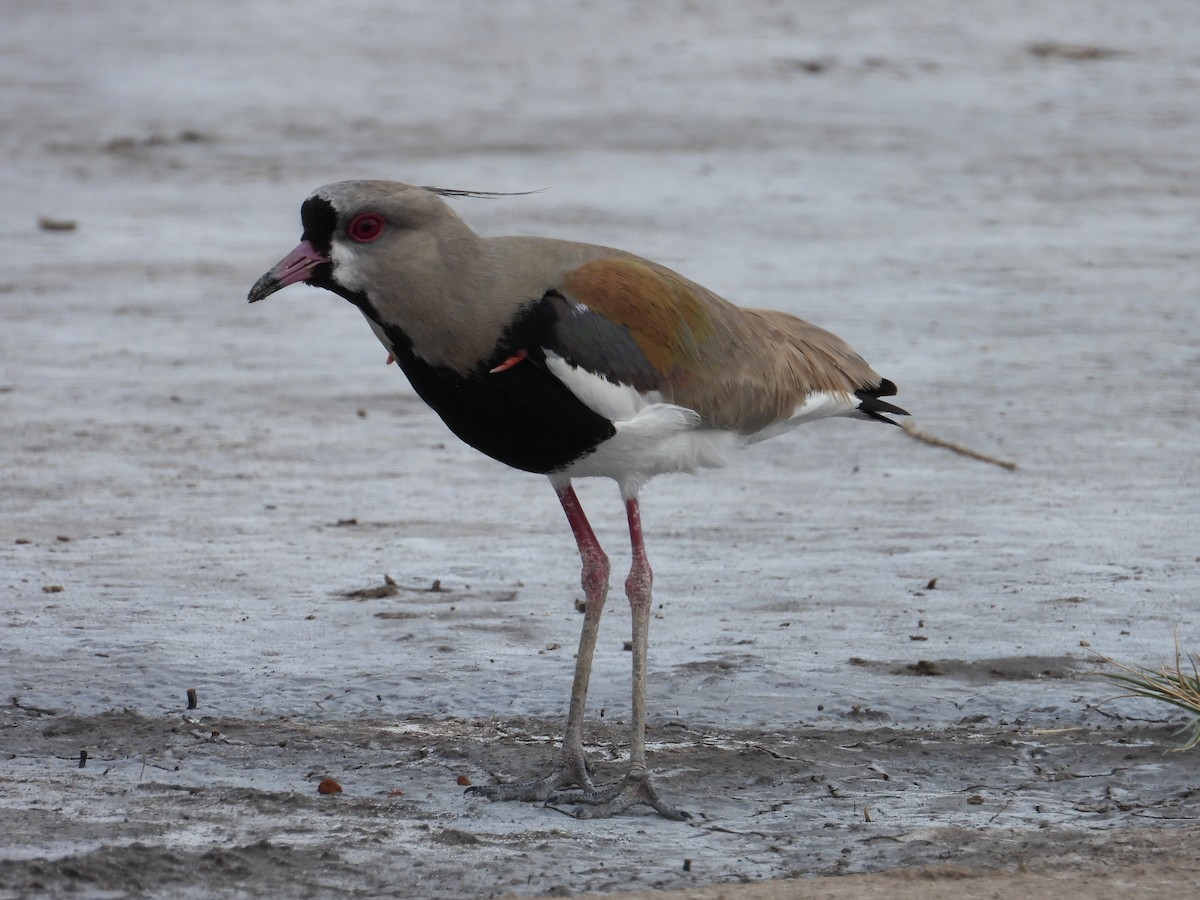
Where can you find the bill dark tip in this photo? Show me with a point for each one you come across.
(296, 266)
(264, 287)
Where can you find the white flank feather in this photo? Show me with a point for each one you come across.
(817, 405)
(613, 400)
(661, 438)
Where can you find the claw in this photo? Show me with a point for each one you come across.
(634, 790)
(539, 790)
(559, 790)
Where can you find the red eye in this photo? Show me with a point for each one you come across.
(365, 227)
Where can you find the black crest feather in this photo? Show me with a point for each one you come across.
(479, 195)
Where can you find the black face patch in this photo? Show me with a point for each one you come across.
(319, 219)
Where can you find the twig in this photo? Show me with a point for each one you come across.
(926, 438)
(760, 834)
(33, 710)
(1003, 809)
(767, 750)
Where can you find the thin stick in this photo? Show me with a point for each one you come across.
(926, 438)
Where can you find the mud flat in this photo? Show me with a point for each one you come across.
(871, 658)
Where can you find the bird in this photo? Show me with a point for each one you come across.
(572, 360)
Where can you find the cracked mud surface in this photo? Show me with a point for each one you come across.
(192, 804)
(872, 661)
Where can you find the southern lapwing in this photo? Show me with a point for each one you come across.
(572, 360)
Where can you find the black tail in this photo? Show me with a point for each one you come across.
(871, 407)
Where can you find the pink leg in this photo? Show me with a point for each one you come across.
(636, 788)
(594, 578)
(637, 589)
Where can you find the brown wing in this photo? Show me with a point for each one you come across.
(741, 369)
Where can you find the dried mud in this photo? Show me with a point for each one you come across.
(193, 805)
(872, 660)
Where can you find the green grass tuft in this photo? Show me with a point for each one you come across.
(1167, 684)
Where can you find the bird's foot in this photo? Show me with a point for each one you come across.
(635, 789)
(572, 772)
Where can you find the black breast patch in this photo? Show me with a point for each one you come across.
(523, 416)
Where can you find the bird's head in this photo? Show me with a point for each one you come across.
(360, 236)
